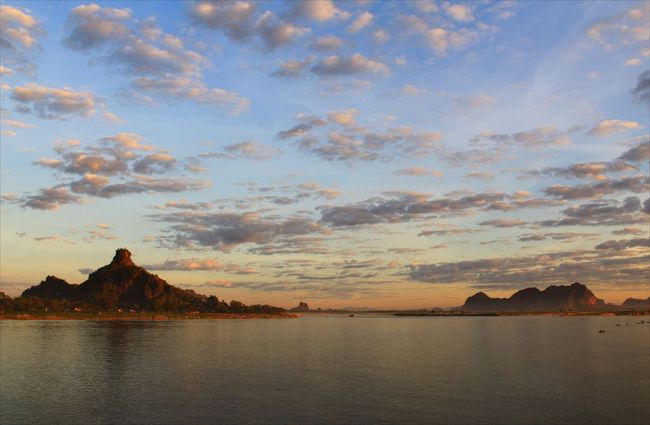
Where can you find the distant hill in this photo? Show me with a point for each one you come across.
(300, 308)
(637, 304)
(576, 297)
(124, 285)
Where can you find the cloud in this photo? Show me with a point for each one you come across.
(621, 30)
(380, 36)
(54, 103)
(160, 65)
(49, 198)
(339, 137)
(417, 171)
(19, 34)
(459, 13)
(405, 206)
(355, 64)
(275, 33)
(609, 127)
(639, 153)
(503, 222)
(592, 170)
(561, 236)
(344, 118)
(244, 150)
(629, 231)
(536, 138)
(360, 22)
(445, 37)
(637, 184)
(155, 163)
(184, 205)
(6, 71)
(235, 19)
(292, 194)
(7, 122)
(317, 10)
(489, 147)
(327, 43)
(292, 68)
(465, 104)
(607, 212)
(189, 264)
(252, 150)
(174, 87)
(483, 176)
(642, 90)
(112, 158)
(238, 21)
(412, 90)
(591, 267)
(144, 184)
(622, 244)
(225, 230)
(91, 26)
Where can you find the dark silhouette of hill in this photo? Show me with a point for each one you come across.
(51, 287)
(124, 285)
(636, 303)
(300, 308)
(576, 297)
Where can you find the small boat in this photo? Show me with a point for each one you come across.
(600, 331)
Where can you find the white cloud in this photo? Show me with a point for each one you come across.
(412, 90)
(460, 13)
(327, 43)
(355, 64)
(361, 22)
(609, 127)
(318, 10)
(52, 102)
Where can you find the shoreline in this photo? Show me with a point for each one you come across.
(141, 316)
(529, 313)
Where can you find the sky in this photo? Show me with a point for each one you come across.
(347, 154)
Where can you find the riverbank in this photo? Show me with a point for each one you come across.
(140, 316)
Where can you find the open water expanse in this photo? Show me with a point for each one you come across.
(327, 369)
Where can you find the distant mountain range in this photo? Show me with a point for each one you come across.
(575, 297)
(635, 303)
(123, 285)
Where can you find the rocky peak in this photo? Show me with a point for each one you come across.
(122, 258)
(301, 308)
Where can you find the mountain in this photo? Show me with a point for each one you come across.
(51, 287)
(637, 304)
(576, 297)
(124, 285)
(300, 308)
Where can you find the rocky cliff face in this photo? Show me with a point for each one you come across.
(576, 297)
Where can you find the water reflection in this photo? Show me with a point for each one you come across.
(326, 370)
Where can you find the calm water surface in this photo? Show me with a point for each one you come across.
(366, 370)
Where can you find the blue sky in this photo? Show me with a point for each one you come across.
(383, 154)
